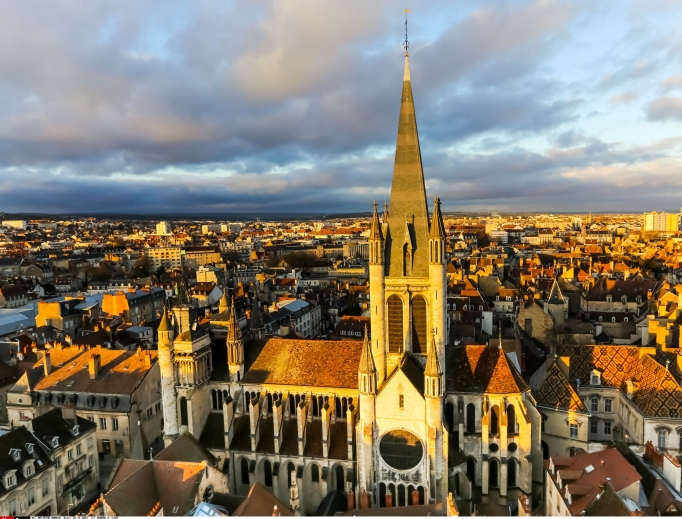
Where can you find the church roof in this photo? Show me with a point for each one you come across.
(481, 369)
(367, 360)
(303, 362)
(408, 193)
(164, 325)
(552, 389)
(376, 232)
(437, 225)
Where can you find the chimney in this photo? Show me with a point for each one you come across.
(529, 327)
(147, 358)
(47, 363)
(69, 413)
(94, 366)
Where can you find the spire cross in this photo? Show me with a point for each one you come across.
(406, 43)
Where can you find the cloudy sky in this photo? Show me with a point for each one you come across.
(219, 106)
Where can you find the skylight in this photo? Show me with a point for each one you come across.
(589, 469)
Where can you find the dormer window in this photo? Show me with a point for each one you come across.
(55, 441)
(15, 454)
(74, 430)
(609, 299)
(29, 448)
(28, 469)
(10, 479)
(595, 378)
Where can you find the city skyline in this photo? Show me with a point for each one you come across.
(523, 106)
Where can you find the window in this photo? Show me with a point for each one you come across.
(29, 470)
(314, 473)
(10, 480)
(31, 496)
(607, 427)
(593, 426)
(401, 401)
(608, 404)
(157, 407)
(58, 461)
(662, 434)
(91, 418)
(91, 461)
(114, 424)
(574, 430)
(91, 442)
(150, 412)
(12, 507)
(595, 379)
(79, 449)
(595, 404)
(103, 424)
(46, 486)
(69, 454)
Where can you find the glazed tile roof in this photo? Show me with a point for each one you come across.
(481, 369)
(304, 362)
(656, 392)
(552, 389)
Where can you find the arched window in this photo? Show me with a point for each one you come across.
(245, 471)
(494, 420)
(340, 478)
(471, 418)
(183, 411)
(401, 495)
(450, 417)
(419, 325)
(395, 324)
(292, 405)
(316, 409)
(214, 399)
(511, 419)
(421, 495)
(382, 495)
(269, 402)
(511, 472)
(493, 473)
(314, 473)
(290, 468)
(339, 411)
(220, 399)
(267, 473)
(391, 489)
(471, 469)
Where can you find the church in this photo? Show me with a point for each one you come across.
(401, 419)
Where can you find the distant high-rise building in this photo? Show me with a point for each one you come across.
(661, 222)
(15, 224)
(163, 228)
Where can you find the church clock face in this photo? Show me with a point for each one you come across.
(401, 450)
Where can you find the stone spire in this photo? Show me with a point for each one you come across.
(408, 192)
(433, 376)
(224, 303)
(367, 369)
(375, 232)
(256, 326)
(432, 368)
(437, 225)
(233, 332)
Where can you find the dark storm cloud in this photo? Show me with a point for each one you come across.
(275, 106)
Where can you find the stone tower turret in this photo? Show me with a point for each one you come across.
(376, 289)
(168, 392)
(235, 347)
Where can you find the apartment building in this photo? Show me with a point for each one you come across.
(169, 257)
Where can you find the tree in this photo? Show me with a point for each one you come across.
(482, 239)
(140, 269)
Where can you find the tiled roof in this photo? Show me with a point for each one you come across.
(173, 484)
(18, 439)
(121, 372)
(481, 369)
(305, 362)
(552, 389)
(187, 448)
(656, 393)
(261, 502)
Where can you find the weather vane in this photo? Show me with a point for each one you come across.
(406, 43)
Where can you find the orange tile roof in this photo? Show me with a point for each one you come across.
(120, 373)
(481, 369)
(552, 389)
(306, 362)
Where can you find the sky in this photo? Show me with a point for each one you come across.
(277, 106)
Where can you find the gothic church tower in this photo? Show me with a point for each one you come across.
(400, 434)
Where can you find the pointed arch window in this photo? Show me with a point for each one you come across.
(395, 324)
(419, 325)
